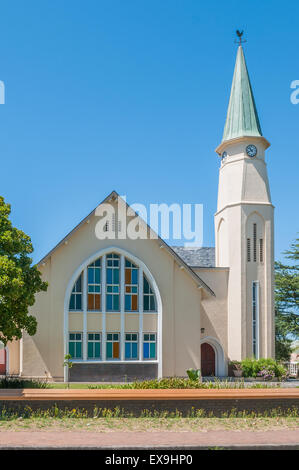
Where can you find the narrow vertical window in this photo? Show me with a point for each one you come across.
(94, 285)
(94, 346)
(112, 282)
(254, 242)
(261, 250)
(76, 295)
(75, 345)
(248, 250)
(112, 346)
(149, 346)
(131, 287)
(131, 346)
(149, 300)
(255, 319)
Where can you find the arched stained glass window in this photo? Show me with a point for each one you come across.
(126, 283)
(131, 286)
(94, 285)
(76, 295)
(149, 299)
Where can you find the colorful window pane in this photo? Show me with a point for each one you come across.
(94, 345)
(131, 346)
(112, 282)
(94, 285)
(76, 295)
(112, 346)
(75, 345)
(149, 346)
(149, 299)
(131, 286)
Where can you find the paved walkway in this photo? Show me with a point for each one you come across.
(148, 440)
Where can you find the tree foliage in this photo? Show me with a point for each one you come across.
(19, 280)
(287, 302)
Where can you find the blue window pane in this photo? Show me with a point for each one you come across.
(90, 276)
(72, 349)
(146, 303)
(109, 276)
(97, 262)
(115, 276)
(134, 351)
(145, 350)
(145, 286)
(128, 302)
(116, 302)
(153, 350)
(78, 285)
(109, 350)
(128, 350)
(97, 276)
(72, 302)
(97, 350)
(78, 350)
(109, 302)
(134, 276)
(152, 303)
(90, 350)
(78, 302)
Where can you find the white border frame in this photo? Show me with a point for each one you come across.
(142, 268)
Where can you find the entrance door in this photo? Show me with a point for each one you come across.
(2, 361)
(207, 360)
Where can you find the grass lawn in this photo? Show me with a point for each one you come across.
(149, 424)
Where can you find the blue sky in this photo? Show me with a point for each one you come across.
(132, 95)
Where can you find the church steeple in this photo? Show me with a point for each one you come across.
(242, 118)
(244, 223)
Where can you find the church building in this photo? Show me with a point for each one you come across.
(128, 309)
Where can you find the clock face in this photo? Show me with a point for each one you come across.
(223, 156)
(251, 150)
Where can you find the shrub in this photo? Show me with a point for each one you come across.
(15, 382)
(267, 368)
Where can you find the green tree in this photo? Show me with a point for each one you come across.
(287, 302)
(19, 280)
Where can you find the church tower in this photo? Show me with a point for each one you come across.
(244, 224)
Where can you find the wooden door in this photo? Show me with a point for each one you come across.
(207, 360)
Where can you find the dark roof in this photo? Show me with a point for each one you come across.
(196, 257)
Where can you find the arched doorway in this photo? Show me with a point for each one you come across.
(208, 366)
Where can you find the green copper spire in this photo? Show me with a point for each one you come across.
(242, 118)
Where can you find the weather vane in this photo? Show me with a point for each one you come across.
(239, 40)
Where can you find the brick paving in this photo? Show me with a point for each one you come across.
(151, 440)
